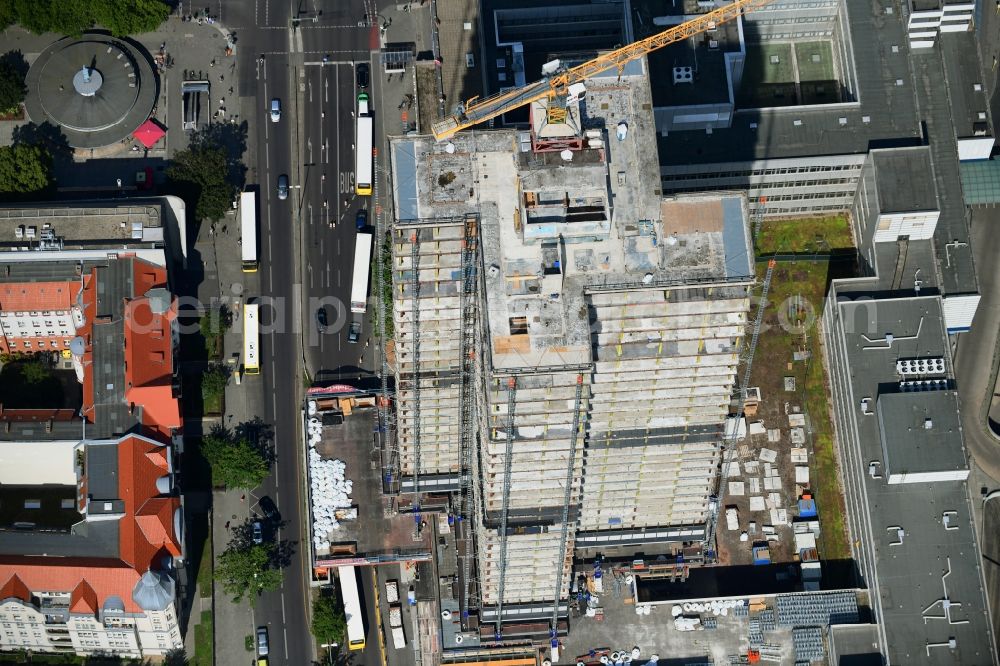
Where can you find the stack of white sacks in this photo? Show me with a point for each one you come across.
(331, 489)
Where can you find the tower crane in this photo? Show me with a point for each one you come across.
(558, 85)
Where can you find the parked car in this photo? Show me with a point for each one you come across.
(362, 75)
(361, 220)
(283, 187)
(262, 646)
(321, 320)
(269, 509)
(354, 332)
(275, 110)
(258, 532)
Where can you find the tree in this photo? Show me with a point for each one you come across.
(244, 570)
(130, 17)
(24, 169)
(328, 622)
(235, 462)
(34, 372)
(201, 170)
(71, 17)
(213, 382)
(12, 88)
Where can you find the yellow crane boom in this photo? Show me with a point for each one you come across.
(478, 111)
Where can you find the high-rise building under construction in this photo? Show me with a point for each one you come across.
(566, 343)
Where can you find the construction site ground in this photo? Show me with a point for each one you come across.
(378, 529)
(622, 629)
(788, 370)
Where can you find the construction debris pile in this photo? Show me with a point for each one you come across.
(331, 490)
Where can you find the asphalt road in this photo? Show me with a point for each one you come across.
(302, 257)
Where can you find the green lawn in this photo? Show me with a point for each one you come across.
(770, 63)
(205, 569)
(812, 234)
(213, 403)
(204, 641)
(815, 61)
(795, 303)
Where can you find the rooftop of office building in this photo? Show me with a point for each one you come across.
(927, 561)
(883, 115)
(72, 226)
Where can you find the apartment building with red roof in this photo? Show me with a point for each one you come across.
(91, 522)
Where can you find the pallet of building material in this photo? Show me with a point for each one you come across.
(800, 456)
(754, 483)
(779, 516)
(802, 474)
(797, 436)
(796, 420)
(768, 455)
(773, 501)
(737, 488)
(743, 451)
(732, 469)
(710, 622)
(773, 435)
(757, 504)
(772, 483)
(751, 467)
(732, 519)
(789, 384)
(768, 469)
(757, 428)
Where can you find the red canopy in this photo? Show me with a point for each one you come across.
(149, 133)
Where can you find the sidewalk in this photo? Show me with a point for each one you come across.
(244, 402)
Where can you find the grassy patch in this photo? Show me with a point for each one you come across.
(385, 331)
(213, 403)
(204, 641)
(811, 234)
(791, 327)
(31, 383)
(814, 60)
(205, 570)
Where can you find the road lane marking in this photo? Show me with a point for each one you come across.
(284, 630)
(283, 606)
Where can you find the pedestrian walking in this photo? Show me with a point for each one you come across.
(243, 498)
(227, 524)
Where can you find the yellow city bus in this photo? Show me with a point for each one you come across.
(251, 338)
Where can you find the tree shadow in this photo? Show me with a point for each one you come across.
(260, 435)
(283, 553)
(47, 136)
(16, 60)
(233, 139)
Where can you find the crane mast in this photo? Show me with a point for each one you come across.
(477, 111)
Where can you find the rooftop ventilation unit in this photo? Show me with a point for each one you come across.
(683, 75)
(920, 366)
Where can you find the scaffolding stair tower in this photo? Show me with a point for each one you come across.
(567, 495)
(730, 445)
(467, 426)
(507, 465)
(415, 304)
(758, 216)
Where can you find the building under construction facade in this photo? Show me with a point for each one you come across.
(566, 344)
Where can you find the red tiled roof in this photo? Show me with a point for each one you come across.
(149, 364)
(140, 464)
(15, 587)
(38, 296)
(83, 599)
(105, 578)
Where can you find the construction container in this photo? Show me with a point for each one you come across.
(761, 554)
(395, 615)
(391, 591)
(807, 508)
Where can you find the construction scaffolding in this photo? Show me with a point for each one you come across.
(467, 397)
(568, 485)
(508, 461)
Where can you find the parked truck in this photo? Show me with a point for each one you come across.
(398, 638)
(395, 615)
(391, 591)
